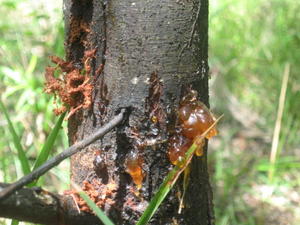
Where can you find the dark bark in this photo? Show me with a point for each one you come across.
(153, 52)
(39, 206)
(27, 179)
(134, 39)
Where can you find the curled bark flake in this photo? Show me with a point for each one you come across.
(62, 64)
(80, 29)
(53, 84)
(101, 194)
(88, 56)
(73, 87)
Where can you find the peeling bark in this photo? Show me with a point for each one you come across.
(135, 39)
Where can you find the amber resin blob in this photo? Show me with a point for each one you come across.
(134, 166)
(178, 145)
(194, 118)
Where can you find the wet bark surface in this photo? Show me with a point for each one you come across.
(151, 52)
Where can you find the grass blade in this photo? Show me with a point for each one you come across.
(16, 140)
(14, 222)
(47, 147)
(171, 179)
(275, 141)
(99, 213)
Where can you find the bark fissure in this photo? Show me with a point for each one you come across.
(104, 3)
(81, 17)
(100, 93)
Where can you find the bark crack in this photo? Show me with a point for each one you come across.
(104, 4)
(80, 21)
(195, 20)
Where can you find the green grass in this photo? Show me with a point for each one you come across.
(30, 31)
(92, 205)
(99, 213)
(16, 140)
(251, 42)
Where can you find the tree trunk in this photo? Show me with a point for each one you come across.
(153, 52)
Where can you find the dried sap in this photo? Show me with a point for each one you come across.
(133, 164)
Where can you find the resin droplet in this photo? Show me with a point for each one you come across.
(98, 162)
(195, 118)
(134, 166)
(178, 145)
